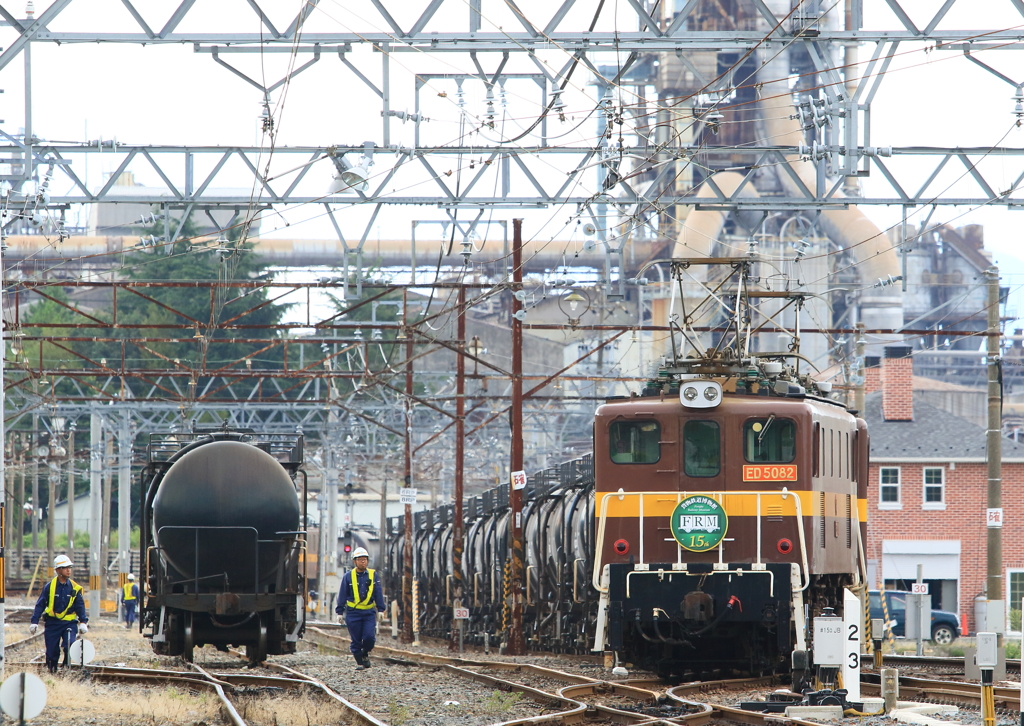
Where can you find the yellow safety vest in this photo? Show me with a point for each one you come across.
(76, 590)
(128, 591)
(367, 602)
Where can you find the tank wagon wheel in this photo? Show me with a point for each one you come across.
(189, 641)
(257, 653)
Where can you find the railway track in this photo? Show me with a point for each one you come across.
(541, 694)
(228, 686)
(1007, 698)
(932, 662)
(582, 698)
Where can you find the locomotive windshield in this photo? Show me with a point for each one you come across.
(769, 440)
(701, 448)
(635, 442)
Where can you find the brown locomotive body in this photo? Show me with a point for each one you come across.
(781, 480)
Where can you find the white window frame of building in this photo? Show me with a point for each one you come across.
(941, 504)
(898, 504)
(1010, 604)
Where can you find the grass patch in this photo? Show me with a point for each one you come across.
(499, 702)
(397, 712)
(159, 705)
(287, 708)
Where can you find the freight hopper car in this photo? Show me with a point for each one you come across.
(220, 542)
(726, 516)
(560, 604)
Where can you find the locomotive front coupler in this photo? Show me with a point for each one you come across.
(638, 626)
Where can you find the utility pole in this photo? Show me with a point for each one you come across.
(516, 639)
(382, 558)
(71, 490)
(321, 547)
(407, 569)
(53, 476)
(51, 498)
(460, 435)
(331, 535)
(124, 502)
(994, 453)
(34, 468)
(108, 482)
(20, 445)
(95, 512)
(3, 474)
(858, 392)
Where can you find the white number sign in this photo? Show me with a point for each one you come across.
(853, 620)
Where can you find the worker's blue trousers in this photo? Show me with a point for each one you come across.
(59, 635)
(129, 612)
(362, 629)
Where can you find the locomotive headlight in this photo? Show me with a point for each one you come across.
(700, 393)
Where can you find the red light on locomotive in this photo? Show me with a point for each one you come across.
(785, 546)
(621, 546)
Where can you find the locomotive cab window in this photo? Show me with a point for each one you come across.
(702, 449)
(635, 442)
(769, 440)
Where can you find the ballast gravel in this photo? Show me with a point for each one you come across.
(396, 693)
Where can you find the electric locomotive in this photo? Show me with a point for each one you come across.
(220, 542)
(728, 509)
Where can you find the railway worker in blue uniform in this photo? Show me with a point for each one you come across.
(62, 606)
(130, 598)
(360, 599)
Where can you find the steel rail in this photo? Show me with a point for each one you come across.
(219, 682)
(642, 695)
(580, 687)
(352, 710)
(118, 673)
(1006, 697)
(925, 661)
(705, 686)
(23, 642)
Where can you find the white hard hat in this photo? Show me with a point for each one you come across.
(131, 576)
(360, 552)
(61, 561)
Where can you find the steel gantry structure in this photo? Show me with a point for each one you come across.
(515, 82)
(500, 44)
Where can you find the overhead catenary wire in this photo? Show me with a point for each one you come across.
(578, 182)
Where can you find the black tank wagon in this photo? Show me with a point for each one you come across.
(221, 544)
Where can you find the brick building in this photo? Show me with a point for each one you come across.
(927, 494)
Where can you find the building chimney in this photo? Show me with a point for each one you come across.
(897, 383)
(872, 374)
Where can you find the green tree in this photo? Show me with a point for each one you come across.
(199, 345)
(191, 258)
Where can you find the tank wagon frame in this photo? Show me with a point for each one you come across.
(206, 582)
